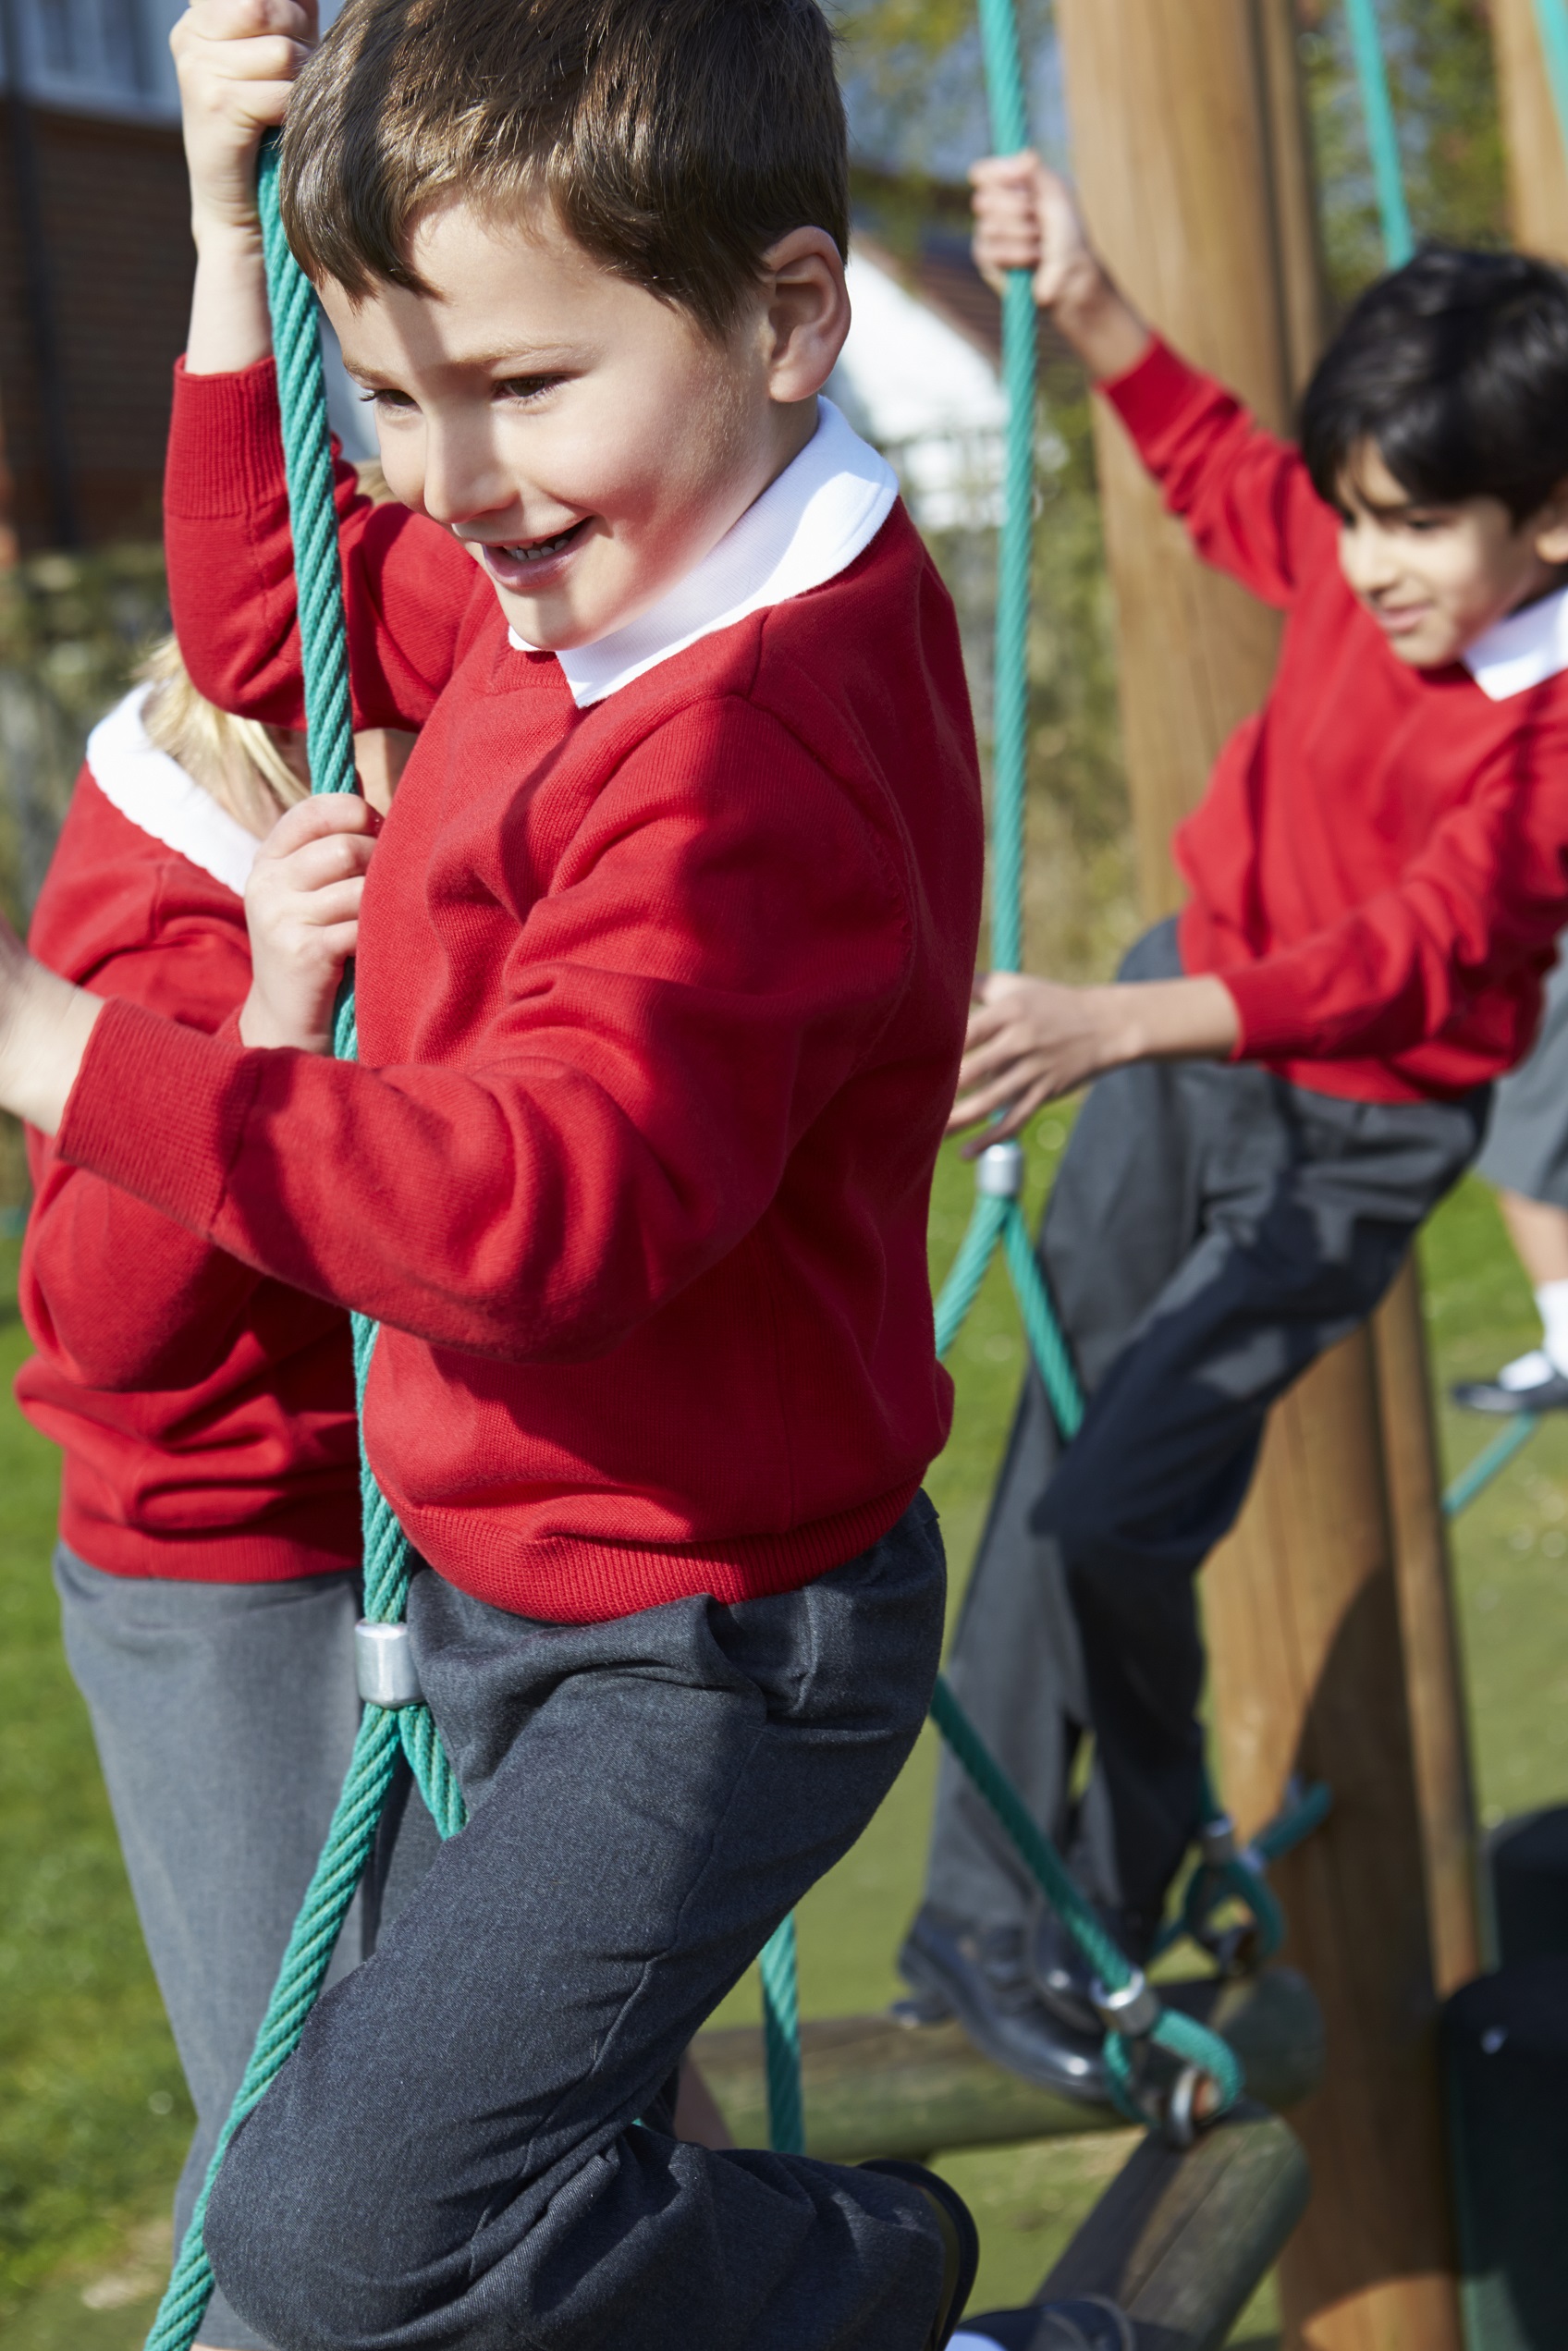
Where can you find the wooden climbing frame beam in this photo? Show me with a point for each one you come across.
(1189, 148)
(1180, 2242)
(874, 2085)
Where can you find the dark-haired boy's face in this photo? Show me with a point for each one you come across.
(1435, 578)
(590, 443)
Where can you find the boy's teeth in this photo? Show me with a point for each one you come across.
(534, 548)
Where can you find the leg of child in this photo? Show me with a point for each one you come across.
(224, 1716)
(453, 2155)
(1525, 1157)
(1211, 1232)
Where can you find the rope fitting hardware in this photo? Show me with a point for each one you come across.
(1217, 1841)
(384, 1664)
(1133, 2010)
(998, 1171)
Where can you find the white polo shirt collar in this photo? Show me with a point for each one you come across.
(1522, 650)
(157, 796)
(823, 510)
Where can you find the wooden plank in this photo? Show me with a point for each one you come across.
(1537, 167)
(874, 2085)
(1424, 1577)
(1180, 2242)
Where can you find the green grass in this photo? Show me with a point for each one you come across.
(93, 2112)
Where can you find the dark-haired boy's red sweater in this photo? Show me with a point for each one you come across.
(1380, 867)
(662, 986)
(205, 1414)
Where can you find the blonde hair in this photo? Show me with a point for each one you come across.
(239, 761)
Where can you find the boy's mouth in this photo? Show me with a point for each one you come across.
(526, 564)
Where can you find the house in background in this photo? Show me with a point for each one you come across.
(95, 266)
(96, 269)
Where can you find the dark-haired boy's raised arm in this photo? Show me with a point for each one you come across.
(1243, 495)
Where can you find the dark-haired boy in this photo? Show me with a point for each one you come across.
(1287, 1077)
(662, 973)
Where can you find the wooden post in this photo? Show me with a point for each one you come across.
(1189, 151)
(1537, 165)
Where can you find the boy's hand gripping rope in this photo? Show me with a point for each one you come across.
(403, 1721)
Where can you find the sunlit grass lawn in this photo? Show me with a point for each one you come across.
(93, 2113)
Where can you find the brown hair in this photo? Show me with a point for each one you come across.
(677, 139)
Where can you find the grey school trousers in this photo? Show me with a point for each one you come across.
(224, 1715)
(1211, 1231)
(454, 2154)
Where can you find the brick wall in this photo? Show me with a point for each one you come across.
(116, 249)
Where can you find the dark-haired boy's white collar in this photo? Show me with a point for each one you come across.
(1524, 650)
(824, 509)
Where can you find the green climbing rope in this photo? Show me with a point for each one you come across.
(388, 1561)
(1551, 24)
(1382, 131)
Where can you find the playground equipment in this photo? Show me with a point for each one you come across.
(1328, 1610)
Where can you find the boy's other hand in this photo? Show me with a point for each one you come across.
(237, 60)
(1031, 1040)
(1026, 218)
(303, 912)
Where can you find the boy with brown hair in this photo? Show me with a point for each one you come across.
(662, 971)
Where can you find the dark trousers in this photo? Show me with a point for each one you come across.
(454, 2155)
(1212, 1230)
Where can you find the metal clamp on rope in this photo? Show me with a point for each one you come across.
(1217, 1841)
(998, 1171)
(1134, 2010)
(384, 1664)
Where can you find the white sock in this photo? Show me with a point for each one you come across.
(1551, 1304)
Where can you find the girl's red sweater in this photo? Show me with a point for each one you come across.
(661, 1002)
(205, 1413)
(1380, 866)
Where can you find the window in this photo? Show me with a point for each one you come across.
(99, 57)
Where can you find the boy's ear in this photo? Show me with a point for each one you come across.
(1551, 530)
(806, 308)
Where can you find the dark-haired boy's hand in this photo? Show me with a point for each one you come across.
(1031, 1040)
(1027, 218)
(303, 912)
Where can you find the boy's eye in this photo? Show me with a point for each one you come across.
(527, 387)
(387, 397)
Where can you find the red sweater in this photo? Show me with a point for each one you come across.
(207, 1413)
(660, 1007)
(1377, 867)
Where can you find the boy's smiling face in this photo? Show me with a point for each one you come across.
(590, 442)
(1435, 578)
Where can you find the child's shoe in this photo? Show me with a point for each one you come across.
(984, 1976)
(961, 2242)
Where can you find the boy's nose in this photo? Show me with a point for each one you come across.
(463, 482)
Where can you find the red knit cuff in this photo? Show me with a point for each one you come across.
(1149, 395)
(1267, 1001)
(226, 444)
(159, 1109)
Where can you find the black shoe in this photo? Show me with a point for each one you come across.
(960, 2241)
(1089, 2324)
(984, 1977)
(1062, 1975)
(1548, 1394)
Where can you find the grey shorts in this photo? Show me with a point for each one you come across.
(1526, 1144)
(224, 1715)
